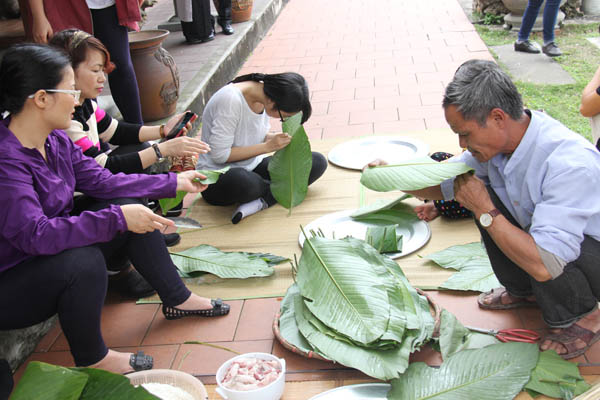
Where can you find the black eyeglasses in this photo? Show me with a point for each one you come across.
(281, 116)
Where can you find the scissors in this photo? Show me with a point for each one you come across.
(510, 335)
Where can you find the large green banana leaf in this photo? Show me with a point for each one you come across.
(288, 327)
(381, 204)
(555, 377)
(43, 381)
(415, 174)
(290, 167)
(343, 290)
(496, 372)
(454, 337)
(473, 264)
(225, 265)
(380, 364)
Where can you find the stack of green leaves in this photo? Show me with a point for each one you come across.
(290, 167)
(473, 265)
(354, 306)
(52, 382)
(205, 258)
(555, 377)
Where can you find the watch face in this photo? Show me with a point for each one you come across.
(485, 220)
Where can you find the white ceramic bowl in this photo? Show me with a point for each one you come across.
(179, 379)
(273, 391)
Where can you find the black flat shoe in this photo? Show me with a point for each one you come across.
(527, 47)
(218, 308)
(171, 239)
(141, 362)
(201, 40)
(551, 50)
(175, 211)
(131, 284)
(226, 27)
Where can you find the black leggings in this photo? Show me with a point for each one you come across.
(122, 81)
(239, 185)
(73, 284)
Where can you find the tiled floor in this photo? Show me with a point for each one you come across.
(373, 68)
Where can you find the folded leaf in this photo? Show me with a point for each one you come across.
(207, 258)
(104, 385)
(170, 202)
(290, 167)
(496, 372)
(212, 176)
(415, 174)
(389, 216)
(378, 205)
(454, 337)
(473, 264)
(43, 381)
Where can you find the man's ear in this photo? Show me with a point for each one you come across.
(498, 117)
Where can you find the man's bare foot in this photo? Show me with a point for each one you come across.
(500, 299)
(114, 361)
(427, 212)
(195, 302)
(575, 340)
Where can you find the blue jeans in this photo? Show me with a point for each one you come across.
(531, 12)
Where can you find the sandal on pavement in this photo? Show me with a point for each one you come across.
(140, 361)
(568, 337)
(497, 304)
(218, 308)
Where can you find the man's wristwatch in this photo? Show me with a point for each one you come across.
(487, 218)
(158, 153)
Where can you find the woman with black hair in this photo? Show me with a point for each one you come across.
(52, 261)
(235, 125)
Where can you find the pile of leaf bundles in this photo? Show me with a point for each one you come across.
(354, 306)
(415, 174)
(290, 167)
(205, 258)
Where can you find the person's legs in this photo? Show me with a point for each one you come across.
(72, 284)
(224, 18)
(201, 29)
(122, 81)
(550, 15)
(236, 186)
(529, 17)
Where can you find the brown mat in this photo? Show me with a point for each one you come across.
(274, 231)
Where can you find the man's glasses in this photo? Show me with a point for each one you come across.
(75, 93)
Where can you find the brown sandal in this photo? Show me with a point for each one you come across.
(568, 337)
(497, 304)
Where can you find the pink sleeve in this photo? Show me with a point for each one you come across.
(100, 113)
(85, 143)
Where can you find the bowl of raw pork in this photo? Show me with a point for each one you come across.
(251, 376)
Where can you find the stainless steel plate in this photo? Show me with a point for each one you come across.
(361, 391)
(355, 154)
(339, 225)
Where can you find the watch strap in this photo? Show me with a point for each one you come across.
(494, 213)
(157, 151)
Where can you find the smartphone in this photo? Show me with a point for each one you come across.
(178, 128)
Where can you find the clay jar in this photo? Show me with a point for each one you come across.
(241, 10)
(156, 74)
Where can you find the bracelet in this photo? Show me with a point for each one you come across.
(159, 155)
(162, 131)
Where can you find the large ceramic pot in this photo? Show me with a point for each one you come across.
(517, 8)
(590, 7)
(156, 73)
(241, 10)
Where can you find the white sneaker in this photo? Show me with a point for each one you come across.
(247, 209)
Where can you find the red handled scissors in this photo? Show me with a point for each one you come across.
(510, 335)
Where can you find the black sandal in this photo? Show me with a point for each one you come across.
(218, 308)
(140, 361)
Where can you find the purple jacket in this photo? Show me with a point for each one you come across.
(36, 197)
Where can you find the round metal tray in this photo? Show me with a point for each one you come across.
(377, 391)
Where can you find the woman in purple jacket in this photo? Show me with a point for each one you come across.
(52, 261)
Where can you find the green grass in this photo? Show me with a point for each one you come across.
(580, 59)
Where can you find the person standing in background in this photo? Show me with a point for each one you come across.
(109, 21)
(224, 19)
(197, 23)
(550, 14)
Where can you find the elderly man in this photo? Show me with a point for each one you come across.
(535, 195)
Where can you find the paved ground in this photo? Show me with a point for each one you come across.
(371, 70)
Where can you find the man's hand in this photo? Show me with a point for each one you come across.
(141, 219)
(470, 192)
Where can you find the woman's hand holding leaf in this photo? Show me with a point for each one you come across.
(187, 181)
(277, 141)
(470, 191)
(141, 219)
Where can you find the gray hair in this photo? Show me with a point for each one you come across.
(478, 87)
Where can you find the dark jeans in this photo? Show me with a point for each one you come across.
(73, 284)
(122, 81)
(563, 300)
(202, 21)
(531, 12)
(224, 11)
(239, 185)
